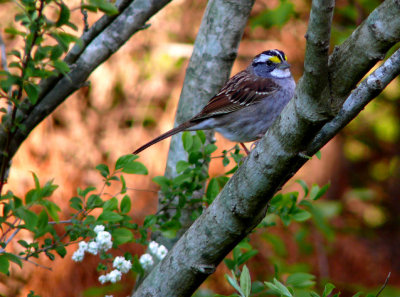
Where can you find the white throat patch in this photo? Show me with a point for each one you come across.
(280, 73)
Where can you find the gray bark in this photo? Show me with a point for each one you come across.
(242, 203)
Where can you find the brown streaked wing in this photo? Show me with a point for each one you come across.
(240, 91)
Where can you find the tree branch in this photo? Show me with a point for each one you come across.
(356, 102)
(315, 78)
(242, 203)
(367, 45)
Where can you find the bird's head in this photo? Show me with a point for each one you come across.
(271, 63)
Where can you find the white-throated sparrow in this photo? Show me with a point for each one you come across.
(247, 104)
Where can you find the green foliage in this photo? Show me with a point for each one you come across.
(240, 255)
(39, 215)
(278, 16)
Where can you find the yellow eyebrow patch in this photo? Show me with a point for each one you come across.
(275, 59)
(285, 58)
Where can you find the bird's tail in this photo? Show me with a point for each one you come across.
(167, 134)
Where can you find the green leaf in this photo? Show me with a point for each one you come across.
(274, 17)
(201, 135)
(64, 15)
(180, 179)
(303, 184)
(212, 190)
(181, 166)
(29, 217)
(313, 294)
(4, 264)
(94, 201)
(63, 39)
(121, 236)
(61, 66)
(84, 192)
(187, 140)
(125, 204)
(15, 65)
(301, 280)
(111, 204)
(43, 220)
(210, 148)
(32, 91)
(104, 6)
(243, 258)
(76, 203)
(23, 243)
(103, 169)
(136, 266)
(225, 161)
(196, 146)
(318, 155)
(135, 168)
(13, 258)
(245, 281)
(15, 53)
(32, 196)
(56, 52)
(110, 216)
(61, 251)
(48, 189)
(123, 184)
(328, 289)
(50, 255)
(317, 192)
(125, 160)
(149, 221)
(234, 284)
(162, 181)
(279, 288)
(52, 208)
(14, 31)
(301, 215)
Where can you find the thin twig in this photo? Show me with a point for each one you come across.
(36, 264)
(85, 20)
(12, 235)
(61, 222)
(384, 285)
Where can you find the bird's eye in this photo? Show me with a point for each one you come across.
(270, 63)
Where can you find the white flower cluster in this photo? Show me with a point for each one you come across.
(159, 251)
(101, 243)
(121, 265)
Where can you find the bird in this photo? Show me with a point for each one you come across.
(247, 105)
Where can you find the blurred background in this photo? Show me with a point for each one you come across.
(133, 97)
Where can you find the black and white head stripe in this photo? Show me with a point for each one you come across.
(275, 56)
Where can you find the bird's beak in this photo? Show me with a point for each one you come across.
(283, 65)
